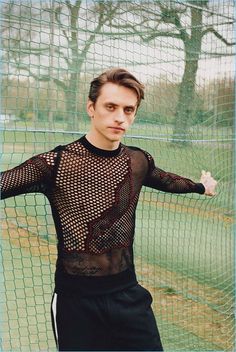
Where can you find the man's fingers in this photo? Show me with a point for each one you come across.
(211, 194)
(206, 173)
(209, 183)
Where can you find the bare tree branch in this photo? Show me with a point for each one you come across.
(168, 15)
(60, 83)
(42, 78)
(205, 9)
(171, 16)
(105, 13)
(62, 55)
(218, 35)
(162, 34)
(132, 27)
(57, 17)
(78, 3)
(144, 11)
(68, 4)
(28, 51)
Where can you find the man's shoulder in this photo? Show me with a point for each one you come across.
(139, 152)
(133, 148)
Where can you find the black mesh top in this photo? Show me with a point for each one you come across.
(93, 195)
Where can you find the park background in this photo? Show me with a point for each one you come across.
(183, 51)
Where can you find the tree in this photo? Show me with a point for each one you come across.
(78, 24)
(169, 19)
(60, 19)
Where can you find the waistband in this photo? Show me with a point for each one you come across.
(94, 285)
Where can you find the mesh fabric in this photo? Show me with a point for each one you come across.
(93, 194)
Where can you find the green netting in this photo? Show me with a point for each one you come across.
(182, 51)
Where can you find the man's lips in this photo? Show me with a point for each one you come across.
(117, 128)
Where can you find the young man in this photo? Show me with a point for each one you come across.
(93, 186)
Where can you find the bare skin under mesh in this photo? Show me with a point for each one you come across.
(93, 195)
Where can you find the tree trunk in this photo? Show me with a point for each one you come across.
(74, 69)
(71, 102)
(184, 111)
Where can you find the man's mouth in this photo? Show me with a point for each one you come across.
(117, 128)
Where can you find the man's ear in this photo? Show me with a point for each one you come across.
(90, 108)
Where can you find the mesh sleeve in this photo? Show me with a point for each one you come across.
(33, 175)
(169, 182)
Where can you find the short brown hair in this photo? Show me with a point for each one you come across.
(118, 76)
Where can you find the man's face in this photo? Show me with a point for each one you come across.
(113, 112)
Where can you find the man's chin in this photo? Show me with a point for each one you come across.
(115, 137)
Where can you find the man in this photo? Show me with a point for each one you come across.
(93, 186)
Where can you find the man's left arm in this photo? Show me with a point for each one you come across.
(170, 182)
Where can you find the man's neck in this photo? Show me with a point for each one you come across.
(101, 143)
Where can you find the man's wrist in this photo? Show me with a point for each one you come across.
(200, 188)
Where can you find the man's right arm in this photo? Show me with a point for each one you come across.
(30, 176)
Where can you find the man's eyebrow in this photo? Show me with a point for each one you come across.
(131, 106)
(126, 106)
(110, 103)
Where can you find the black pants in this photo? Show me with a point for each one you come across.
(120, 321)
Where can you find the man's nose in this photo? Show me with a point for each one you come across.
(120, 116)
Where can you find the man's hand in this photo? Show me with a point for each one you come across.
(209, 183)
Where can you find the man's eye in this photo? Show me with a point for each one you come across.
(129, 110)
(110, 107)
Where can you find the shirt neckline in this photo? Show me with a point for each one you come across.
(98, 151)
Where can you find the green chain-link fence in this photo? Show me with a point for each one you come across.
(183, 52)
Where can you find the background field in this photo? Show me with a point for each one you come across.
(183, 52)
(183, 247)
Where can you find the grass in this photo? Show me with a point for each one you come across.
(198, 226)
(183, 245)
(190, 315)
(176, 235)
(185, 241)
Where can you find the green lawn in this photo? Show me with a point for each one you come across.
(190, 236)
(195, 240)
